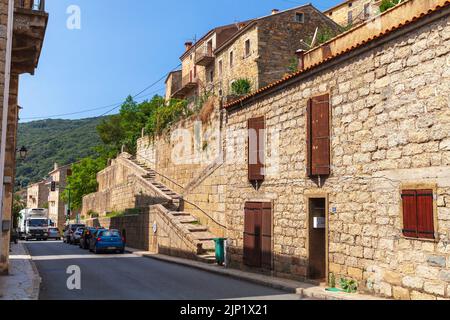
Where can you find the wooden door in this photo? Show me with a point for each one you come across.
(258, 235)
(317, 239)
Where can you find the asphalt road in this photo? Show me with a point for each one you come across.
(130, 277)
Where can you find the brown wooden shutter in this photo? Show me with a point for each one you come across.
(425, 221)
(418, 218)
(409, 213)
(320, 116)
(256, 149)
(266, 236)
(308, 139)
(252, 235)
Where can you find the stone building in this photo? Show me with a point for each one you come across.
(56, 205)
(264, 49)
(260, 50)
(22, 29)
(350, 174)
(353, 12)
(37, 195)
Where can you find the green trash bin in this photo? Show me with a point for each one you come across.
(220, 250)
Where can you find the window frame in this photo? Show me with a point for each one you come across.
(247, 49)
(231, 59)
(299, 13)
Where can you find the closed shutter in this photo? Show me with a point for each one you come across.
(256, 149)
(308, 139)
(418, 220)
(409, 213)
(425, 222)
(318, 136)
(266, 236)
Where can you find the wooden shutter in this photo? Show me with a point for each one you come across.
(318, 136)
(252, 235)
(256, 149)
(409, 213)
(308, 139)
(418, 220)
(425, 221)
(266, 235)
(320, 115)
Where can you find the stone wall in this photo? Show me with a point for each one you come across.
(188, 160)
(120, 188)
(390, 130)
(340, 13)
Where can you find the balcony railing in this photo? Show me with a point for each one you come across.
(204, 56)
(35, 5)
(188, 81)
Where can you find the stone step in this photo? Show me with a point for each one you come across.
(179, 213)
(196, 228)
(206, 258)
(203, 236)
(208, 245)
(187, 219)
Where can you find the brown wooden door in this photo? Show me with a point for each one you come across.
(317, 240)
(258, 235)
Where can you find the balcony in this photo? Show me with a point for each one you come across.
(30, 24)
(188, 84)
(204, 57)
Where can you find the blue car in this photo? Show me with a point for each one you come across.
(107, 241)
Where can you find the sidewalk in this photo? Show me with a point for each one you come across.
(305, 290)
(23, 282)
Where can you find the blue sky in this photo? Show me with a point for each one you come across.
(121, 48)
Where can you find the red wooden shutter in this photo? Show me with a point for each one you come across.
(409, 213)
(252, 235)
(320, 136)
(308, 139)
(266, 236)
(256, 149)
(425, 221)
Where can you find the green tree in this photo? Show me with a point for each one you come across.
(18, 205)
(387, 4)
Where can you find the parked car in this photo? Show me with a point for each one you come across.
(71, 228)
(75, 236)
(86, 236)
(53, 233)
(107, 240)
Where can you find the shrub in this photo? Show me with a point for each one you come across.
(240, 87)
(387, 4)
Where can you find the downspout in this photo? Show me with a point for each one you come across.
(9, 36)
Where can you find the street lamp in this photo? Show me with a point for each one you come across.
(23, 152)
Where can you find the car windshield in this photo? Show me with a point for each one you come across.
(38, 223)
(76, 226)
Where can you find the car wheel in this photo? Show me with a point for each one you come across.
(122, 251)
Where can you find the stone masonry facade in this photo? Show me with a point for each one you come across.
(390, 131)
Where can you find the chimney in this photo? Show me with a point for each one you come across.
(275, 11)
(55, 166)
(300, 53)
(188, 45)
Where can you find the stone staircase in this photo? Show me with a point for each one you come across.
(203, 239)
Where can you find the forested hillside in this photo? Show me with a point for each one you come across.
(50, 141)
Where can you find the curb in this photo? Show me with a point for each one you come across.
(36, 279)
(252, 278)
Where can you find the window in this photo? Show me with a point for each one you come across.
(231, 59)
(418, 221)
(350, 17)
(258, 234)
(211, 76)
(367, 10)
(256, 149)
(220, 68)
(318, 136)
(299, 17)
(247, 47)
(195, 71)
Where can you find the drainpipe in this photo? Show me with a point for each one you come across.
(9, 36)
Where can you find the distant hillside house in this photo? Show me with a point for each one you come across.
(353, 12)
(37, 195)
(260, 50)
